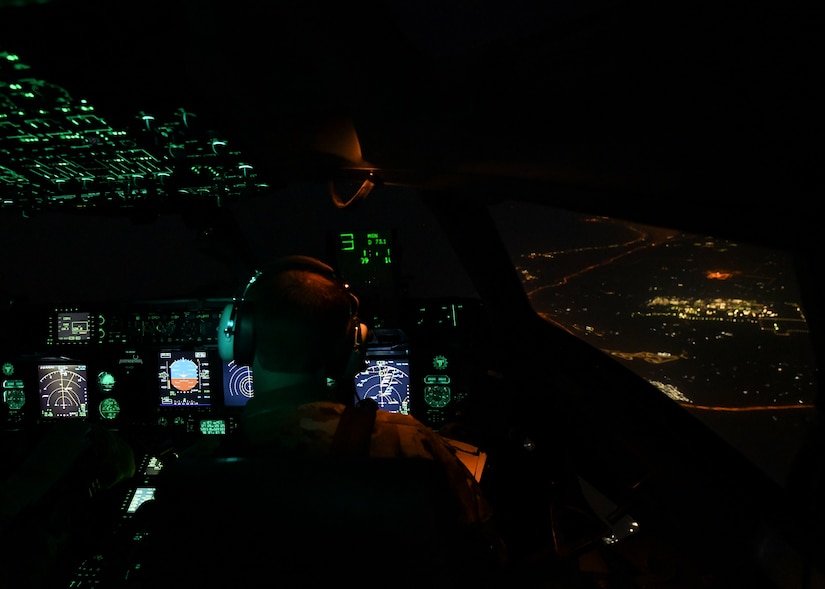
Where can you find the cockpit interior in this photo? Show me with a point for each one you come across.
(583, 236)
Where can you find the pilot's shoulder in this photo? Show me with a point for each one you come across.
(401, 421)
(404, 435)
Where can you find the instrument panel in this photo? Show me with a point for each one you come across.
(150, 372)
(155, 364)
(177, 322)
(114, 364)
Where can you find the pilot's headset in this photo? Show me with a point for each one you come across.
(236, 331)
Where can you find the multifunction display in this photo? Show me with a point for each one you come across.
(184, 378)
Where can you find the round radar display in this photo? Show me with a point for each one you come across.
(109, 408)
(238, 384)
(15, 398)
(105, 382)
(437, 396)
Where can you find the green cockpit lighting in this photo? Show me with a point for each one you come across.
(105, 382)
(74, 159)
(109, 408)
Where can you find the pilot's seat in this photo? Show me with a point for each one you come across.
(262, 520)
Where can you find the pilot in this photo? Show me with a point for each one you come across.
(323, 486)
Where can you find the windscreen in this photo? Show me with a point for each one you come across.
(716, 326)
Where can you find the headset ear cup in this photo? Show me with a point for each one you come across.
(355, 362)
(244, 344)
(226, 333)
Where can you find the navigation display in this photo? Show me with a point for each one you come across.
(237, 384)
(63, 391)
(386, 380)
(184, 378)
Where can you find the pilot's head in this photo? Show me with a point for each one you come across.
(305, 319)
(294, 321)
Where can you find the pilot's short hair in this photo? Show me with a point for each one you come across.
(302, 320)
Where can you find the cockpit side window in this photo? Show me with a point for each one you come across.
(716, 326)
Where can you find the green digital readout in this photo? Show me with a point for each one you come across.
(372, 247)
(366, 258)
